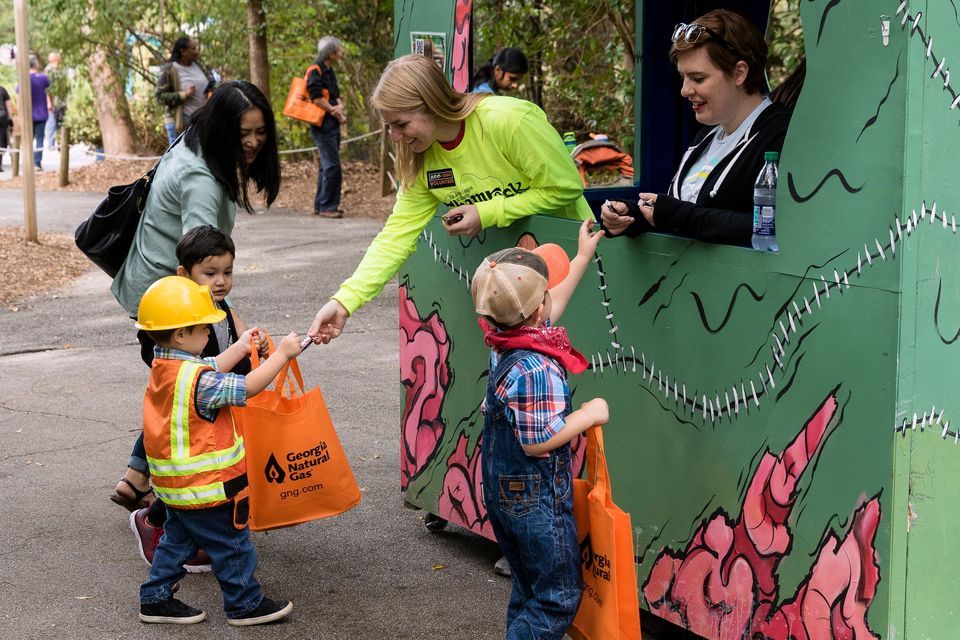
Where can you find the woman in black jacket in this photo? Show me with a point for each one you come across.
(721, 58)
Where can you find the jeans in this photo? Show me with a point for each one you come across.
(231, 552)
(52, 126)
(38, 128)
(529, 504)
(330, 175)
(171, 128)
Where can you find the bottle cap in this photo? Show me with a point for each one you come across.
(769, 156)
(570, 136)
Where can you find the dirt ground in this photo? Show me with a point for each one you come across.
(30, 268)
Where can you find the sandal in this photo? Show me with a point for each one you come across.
(138, 501)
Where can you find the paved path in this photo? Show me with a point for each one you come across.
(71, 384)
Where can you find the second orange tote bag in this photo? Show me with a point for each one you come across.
(610, 608)
(299, 106)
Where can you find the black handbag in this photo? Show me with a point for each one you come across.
(106, 236)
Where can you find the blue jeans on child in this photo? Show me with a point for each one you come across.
(529, 504)
(330, 175)
(232, 555)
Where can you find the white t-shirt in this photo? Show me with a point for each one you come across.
(192, 76)
(719, 148)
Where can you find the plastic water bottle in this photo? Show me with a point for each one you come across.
(765, 205)
(570, 139)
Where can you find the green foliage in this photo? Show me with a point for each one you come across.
(81, 115)
(8, 78)
(587, 80)
(784, 39)
(140, 36)
(6, 22)
(587, 84)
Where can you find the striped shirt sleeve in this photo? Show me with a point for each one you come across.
(216, 390)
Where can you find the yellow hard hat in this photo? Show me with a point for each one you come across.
(174, 302)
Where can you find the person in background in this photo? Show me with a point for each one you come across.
(322, 85)
(183, 86)
(38, 97)
(502, 72)
(721, 58)
(7, 113)
(56, 98)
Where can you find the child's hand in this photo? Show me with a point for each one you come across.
(290, 346)
(588, 240)
(249, 340)
(597, 409)
(264, 348)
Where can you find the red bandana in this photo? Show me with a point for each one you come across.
(550, 341)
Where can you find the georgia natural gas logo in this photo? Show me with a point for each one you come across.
(299, 464)
(597, 564)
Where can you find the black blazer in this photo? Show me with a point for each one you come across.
(723, 211)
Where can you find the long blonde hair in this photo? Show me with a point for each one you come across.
(414, 83)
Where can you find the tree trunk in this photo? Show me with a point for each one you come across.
(113, 111)
(536, 60)
(624, 28)
(257, 43)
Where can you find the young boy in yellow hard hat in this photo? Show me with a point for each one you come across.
(196, 456)
(528, 423)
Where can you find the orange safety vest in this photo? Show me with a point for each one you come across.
(194, 463)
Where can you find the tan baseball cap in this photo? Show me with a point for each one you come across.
(509, 285)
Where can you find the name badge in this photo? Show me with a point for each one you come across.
(440, 178)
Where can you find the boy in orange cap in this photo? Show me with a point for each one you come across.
(528, 426)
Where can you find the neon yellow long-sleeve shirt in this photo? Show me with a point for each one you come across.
(511, 163)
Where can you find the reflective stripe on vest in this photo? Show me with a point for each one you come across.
(190, 496)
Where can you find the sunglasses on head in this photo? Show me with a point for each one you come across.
(691, 33)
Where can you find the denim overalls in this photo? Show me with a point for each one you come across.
(529, 503)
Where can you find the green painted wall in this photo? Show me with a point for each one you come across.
(813, 361)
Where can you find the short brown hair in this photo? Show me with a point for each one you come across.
(741, 34)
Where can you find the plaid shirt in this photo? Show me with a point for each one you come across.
(214, 388)
(534, 392)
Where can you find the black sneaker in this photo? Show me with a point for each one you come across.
(170, 611)
(268, 611)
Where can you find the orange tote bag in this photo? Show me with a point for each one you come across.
(296, 466)
(299, 106)
(610, 608)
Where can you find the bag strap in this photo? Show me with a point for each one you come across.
(282, 378)
(149, 174)
(597, 472)
(310, 68)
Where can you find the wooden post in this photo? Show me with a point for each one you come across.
(64, 155)
(26, 122)
(15, 155)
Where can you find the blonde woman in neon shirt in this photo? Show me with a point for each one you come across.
(491, 159)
